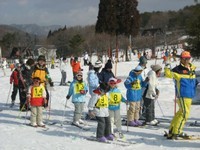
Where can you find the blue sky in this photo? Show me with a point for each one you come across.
(69, 12)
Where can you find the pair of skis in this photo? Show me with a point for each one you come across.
(118, 142)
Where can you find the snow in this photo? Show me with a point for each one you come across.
(15, 135)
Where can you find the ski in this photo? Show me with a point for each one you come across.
(188, 137)
(115, 142)
(50, 123)
(80, 126)
(195, 124)
(43, 127)
(145, 126)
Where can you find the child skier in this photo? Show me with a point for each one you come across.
(151, 94)
(102, 114)
(115, 98)
(134, 84)
(41, 71)
(14, 79)
(36, 96)
(78, 90)
(93, 82)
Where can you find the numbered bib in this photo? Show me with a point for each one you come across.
(78, 87)
(37, 92)
(136, 86)
(102, 102)
(115, 98)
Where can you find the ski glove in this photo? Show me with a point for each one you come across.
(83, 91)
(67, 97)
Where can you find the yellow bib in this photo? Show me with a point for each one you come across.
(102, 102)
(78, 87)
(37, 91)
(136, 86)
(115, 98)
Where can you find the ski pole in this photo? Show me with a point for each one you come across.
(61, 123)
(160, 108)
(127, 129)
(8, 94)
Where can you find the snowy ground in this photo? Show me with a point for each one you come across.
(15, 135)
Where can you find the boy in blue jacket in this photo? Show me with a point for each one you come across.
(134, 84)
(115, 97)
(78, 90)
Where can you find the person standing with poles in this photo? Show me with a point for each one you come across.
(185, 85)
(36, 96)
(25, 80)
(14, 79)
(151, 94)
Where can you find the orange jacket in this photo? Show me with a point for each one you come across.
(76, 67)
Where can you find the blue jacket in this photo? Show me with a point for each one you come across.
(105, 75)
(74, 91)
(115, 97)
(134, 91)
(93, 81)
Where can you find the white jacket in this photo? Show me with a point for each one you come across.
(153, 83)
(63, 66)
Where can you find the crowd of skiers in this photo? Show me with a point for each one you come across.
(104, 104)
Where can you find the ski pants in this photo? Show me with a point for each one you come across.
(14, 92)
(103, 126)
(149, 109)
(22, 97)
(181, 116)
(133, 111)
(115, 119)
(63, 78)
(36, 115)
(92, 101)
(78, 111)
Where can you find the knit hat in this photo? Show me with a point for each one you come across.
(41, 57)
(185, 54)
(98, 64)
(17, 65)
(30, 62)
(108, 65)
(114, 80)
(156, 67)
(76, 58)
(142, 60)
(138, 68)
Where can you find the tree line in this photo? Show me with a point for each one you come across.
(114, 27)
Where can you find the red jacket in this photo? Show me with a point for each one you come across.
(76, 67)
(14, 77)
(37, 95)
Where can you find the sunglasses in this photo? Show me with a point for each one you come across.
(36, 80)
(112, 83)
(186, 58)
(79, 76)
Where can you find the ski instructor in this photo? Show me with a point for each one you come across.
(185, 86)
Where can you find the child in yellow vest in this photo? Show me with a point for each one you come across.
(36, 96)
(115, 98)
(102, 114)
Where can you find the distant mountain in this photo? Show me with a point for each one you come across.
(9, 29)
(36, 29)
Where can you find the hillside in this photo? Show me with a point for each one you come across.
(9, 29)
(36, 29)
